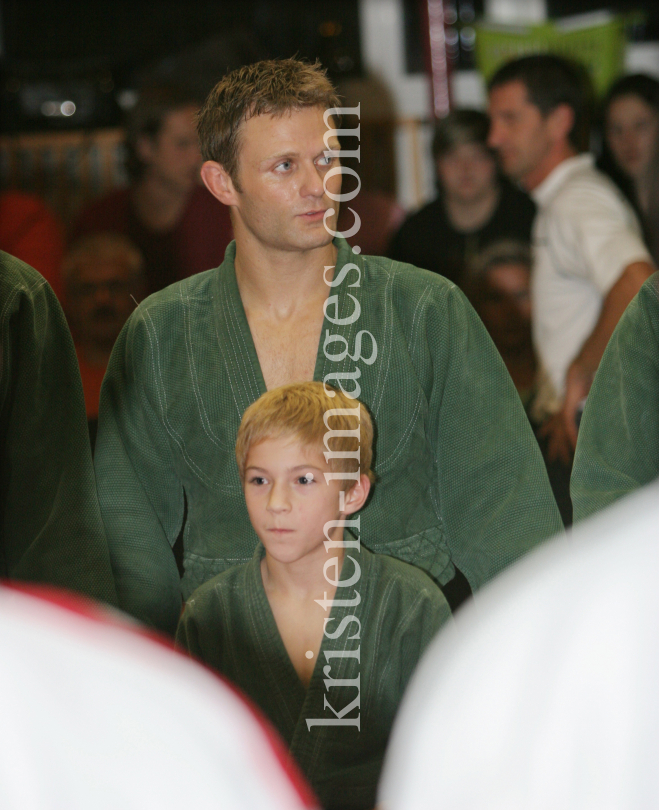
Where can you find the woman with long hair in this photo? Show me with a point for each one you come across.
(631, 154)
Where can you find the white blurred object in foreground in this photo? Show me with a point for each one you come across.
(96, 715)
(545, 696)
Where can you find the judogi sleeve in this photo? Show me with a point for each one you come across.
(618, 447)
(200, 636)
(50, 523)
(141, 497)
(493, 493)
(416, 628)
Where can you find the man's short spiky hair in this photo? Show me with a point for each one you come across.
(273, 86)
(305, 411)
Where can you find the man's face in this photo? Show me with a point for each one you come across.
(467, 173)
(288, 500)
(280, 198)
(520, 133)
(98, 300)
(173, 155)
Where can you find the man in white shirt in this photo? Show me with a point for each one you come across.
(589, 256)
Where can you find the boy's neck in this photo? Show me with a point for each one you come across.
(305, 578)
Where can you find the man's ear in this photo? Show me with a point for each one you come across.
(355, 498)
(561, 121)
(218, 181)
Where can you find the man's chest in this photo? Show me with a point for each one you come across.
(286, 351)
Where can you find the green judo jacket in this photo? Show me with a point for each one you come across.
(460, 479)
(376, 631)
(618, 447)
(50, 524)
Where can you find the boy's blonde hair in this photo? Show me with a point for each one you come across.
(307, 412)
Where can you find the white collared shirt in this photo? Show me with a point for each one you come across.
(584, 236)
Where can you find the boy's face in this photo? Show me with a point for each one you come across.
(288, 500)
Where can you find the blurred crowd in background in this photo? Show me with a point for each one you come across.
(162, 225)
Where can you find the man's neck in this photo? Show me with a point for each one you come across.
(304, 579)
(470, 215)
(643, 187)
(159, 205)
(281, 282)
(559, 153)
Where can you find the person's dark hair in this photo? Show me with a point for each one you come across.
(504, 251)
(146, 118)
(645, 88)
(460, 127)
(550, 81)
(636, 84)
(272, 86)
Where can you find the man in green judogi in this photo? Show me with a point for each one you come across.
(618, 447)
(462, 489)
(51, 530)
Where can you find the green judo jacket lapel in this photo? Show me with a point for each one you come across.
(360, 350)
(298, 713)
(280, 688)
(343, 307)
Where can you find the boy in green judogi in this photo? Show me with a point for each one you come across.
(318, 631)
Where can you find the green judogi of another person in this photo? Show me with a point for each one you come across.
(460, 479)
(618, 446)
(51, 530)
(228, 624)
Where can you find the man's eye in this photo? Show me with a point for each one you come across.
(283, 167)
(325, 160)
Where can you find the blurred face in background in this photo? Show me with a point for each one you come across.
(632, 129)
(519, 132)
(467, 173)
(98, 298)
(503, 303)
(172, 156)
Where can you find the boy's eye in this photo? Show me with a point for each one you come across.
(307, 478)
(257, 479)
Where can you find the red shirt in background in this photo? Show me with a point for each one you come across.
(31, 232)
(196, 243)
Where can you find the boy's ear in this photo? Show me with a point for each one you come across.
(218, 181)
(355, 498)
